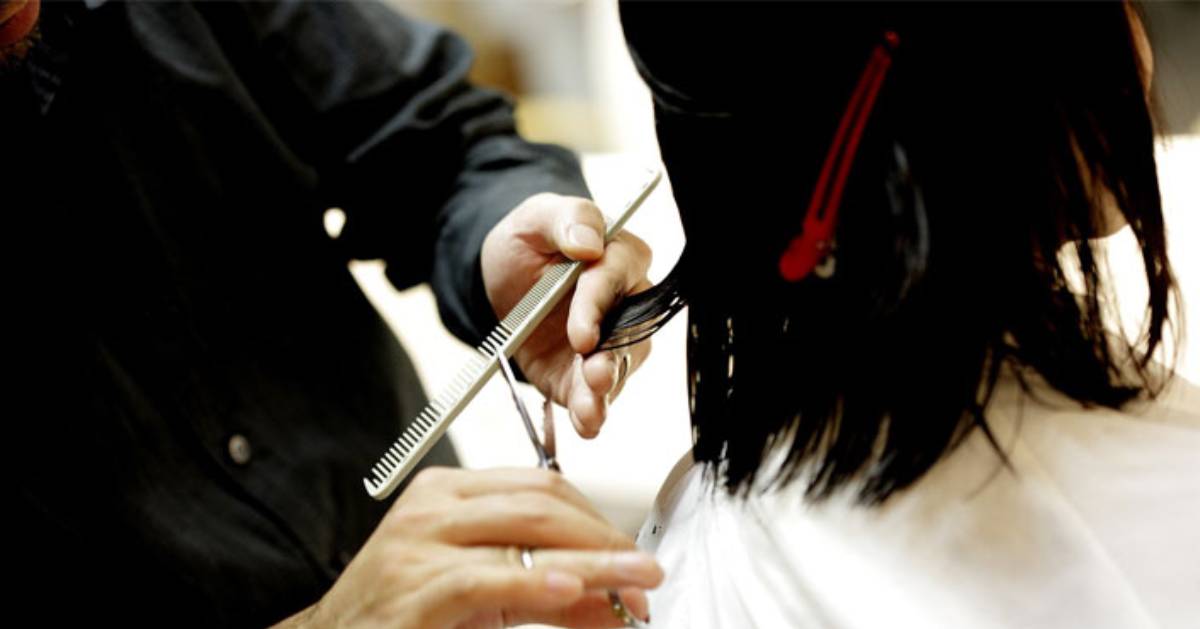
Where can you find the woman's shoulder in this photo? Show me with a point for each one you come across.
(1085, 506)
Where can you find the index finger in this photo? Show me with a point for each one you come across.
(512, 480)
(619, 272)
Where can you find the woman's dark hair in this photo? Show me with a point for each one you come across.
(999, 131)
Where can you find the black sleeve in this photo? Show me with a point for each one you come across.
(423, 163)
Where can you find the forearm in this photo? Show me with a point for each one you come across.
(423, 163)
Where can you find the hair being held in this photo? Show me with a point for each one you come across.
(1004, 140)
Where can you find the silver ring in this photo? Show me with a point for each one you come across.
(527, 558)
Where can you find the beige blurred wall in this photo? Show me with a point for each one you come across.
(563, 61)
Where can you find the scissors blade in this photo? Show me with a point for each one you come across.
(544, 460)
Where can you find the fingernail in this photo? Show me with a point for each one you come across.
(636, 603)
(563, 583)
(634, 566)
(584, 237)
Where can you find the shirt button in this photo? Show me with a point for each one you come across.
(239, 449)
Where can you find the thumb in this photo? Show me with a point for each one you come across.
(572, 226)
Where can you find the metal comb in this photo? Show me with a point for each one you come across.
(431, 423)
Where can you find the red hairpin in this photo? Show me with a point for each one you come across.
(814, 243)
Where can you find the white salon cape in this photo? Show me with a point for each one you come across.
(1096, 525)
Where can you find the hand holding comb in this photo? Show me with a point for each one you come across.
(419, 437)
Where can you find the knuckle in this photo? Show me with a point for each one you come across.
(541, 198)
(430, 477)
(619, 541)
(640, 248)
(553, 483)
(631, 254)
(586, 210)
(642, 253)
(416, 518)
(533, 513)
(538, 521)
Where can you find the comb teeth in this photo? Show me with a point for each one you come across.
(419, 436)
(431, 423)
(536, 295)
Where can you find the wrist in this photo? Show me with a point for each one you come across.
(307, 618)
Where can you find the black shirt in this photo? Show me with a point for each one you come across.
(197, 383)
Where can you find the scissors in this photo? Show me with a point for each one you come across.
(547, 461)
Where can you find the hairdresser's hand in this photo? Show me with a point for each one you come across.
(448, 555)
(516, 253)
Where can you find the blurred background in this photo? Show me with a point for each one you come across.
(565, 64)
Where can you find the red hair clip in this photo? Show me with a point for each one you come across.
(814, 244)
